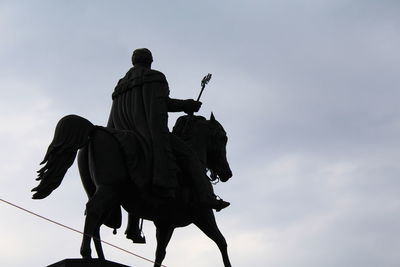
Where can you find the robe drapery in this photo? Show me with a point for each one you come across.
(140, 104)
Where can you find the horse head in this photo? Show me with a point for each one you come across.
(216, 151)
(208, 138)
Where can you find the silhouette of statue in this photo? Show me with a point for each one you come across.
(138, 164)
(140, 103)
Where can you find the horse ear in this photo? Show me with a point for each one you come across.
(212, 118)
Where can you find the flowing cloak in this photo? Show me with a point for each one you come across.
(140, 104)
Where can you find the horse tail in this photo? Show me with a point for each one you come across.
(72, 133)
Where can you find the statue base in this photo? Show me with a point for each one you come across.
(86, 263)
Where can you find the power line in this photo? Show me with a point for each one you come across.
(77, 231)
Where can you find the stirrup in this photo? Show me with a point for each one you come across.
(137, 238)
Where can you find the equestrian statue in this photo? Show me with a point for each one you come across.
(138, 164)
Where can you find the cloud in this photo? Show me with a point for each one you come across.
(306, 90)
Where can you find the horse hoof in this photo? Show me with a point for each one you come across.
(86, 253)
(86, 256)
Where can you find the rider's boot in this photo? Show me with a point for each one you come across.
(214, 203)
(134, 231)
(208, 198)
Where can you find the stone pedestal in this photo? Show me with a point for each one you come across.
(86, 263)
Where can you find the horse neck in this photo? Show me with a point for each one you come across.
(198, 142)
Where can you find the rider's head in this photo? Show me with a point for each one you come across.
(143, 57)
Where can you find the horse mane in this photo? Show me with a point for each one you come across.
(184, 125)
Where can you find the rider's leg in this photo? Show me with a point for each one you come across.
(133, 229)
(195, 171)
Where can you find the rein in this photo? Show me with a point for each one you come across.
(214, 179)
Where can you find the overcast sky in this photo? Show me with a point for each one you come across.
(307, 90)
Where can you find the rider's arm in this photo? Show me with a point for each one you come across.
(177, 105)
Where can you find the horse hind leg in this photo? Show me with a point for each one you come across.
(91, 222)
(84, 171)
(104, 199)
(97, 243)
(207, 224)
(108, 173)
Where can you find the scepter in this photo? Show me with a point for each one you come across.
(205, 80)
(213, 177)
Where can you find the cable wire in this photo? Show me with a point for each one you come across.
(77, 231)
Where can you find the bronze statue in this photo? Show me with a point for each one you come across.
(141, 103)
(136, 163)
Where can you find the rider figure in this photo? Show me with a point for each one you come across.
(141, 103)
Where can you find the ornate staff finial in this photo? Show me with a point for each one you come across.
(204, 81)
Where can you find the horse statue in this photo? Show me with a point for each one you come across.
(107, 182)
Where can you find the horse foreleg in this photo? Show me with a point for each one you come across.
(206, 223)
(163, 235)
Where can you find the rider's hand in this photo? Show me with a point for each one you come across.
(191, 106)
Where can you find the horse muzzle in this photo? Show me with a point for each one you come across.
(225, 176)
